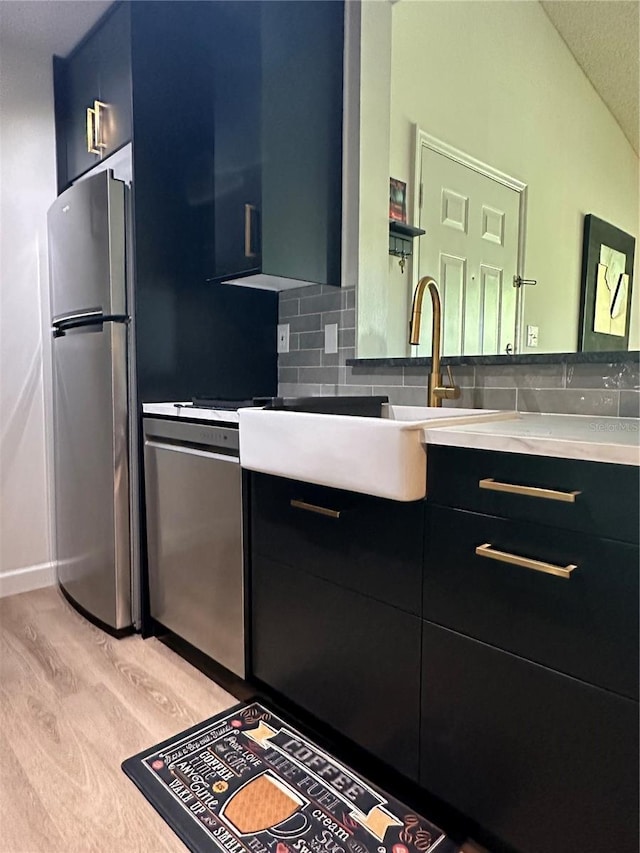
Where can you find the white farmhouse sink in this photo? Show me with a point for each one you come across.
(376, 456)
(422, 414)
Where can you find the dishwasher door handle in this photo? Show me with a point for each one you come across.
(192, 451)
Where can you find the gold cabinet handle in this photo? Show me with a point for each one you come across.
(249, 210)
(100, 107)
(91, 133)
(320, 510)
(531, 491)
(488, 551)
(95, 142)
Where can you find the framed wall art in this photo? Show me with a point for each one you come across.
(606, 286)
(397, 200)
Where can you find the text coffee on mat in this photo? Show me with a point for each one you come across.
(245, 781)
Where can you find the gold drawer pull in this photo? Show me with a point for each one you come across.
(487, 550)
(530, 491)
(320, 510)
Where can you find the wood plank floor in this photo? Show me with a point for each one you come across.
(74, 703)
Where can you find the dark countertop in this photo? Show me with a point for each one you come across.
(614, 357)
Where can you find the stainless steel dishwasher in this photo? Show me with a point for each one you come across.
(194, 533)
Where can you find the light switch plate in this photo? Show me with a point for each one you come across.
(283, 337)
(532, 336)
(331, 338)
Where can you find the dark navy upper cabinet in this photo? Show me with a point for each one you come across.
(277, 79)
(115, 78)
(96, 76)
(243, 102)
(181, 80)
(302, 99)
(246, 99)
(76, 90)
(232, 240)
(190, 173)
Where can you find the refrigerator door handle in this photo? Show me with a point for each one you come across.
(61, 319)
(87, 318)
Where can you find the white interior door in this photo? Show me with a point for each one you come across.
(471, 249)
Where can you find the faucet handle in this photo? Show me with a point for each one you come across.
(451, 391)
(449, 374)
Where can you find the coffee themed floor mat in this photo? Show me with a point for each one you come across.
(245, 781)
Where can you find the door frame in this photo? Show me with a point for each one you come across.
(422, 139)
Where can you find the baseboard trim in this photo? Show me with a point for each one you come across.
(25, 580)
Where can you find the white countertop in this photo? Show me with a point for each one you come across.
(186, 410)
(596, 439)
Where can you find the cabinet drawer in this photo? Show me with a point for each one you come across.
(585, 625)
(352, 662)
(367, 544)
(540, 760)
(590, 497)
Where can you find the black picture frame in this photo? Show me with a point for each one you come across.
(597, 233)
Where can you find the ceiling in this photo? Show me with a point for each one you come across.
(603, 36)
(55, 26)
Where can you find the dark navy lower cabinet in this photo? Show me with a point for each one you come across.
(348, 659)
(543, 761)
(497, 664)
(585, 625)
(363, 543)
(336, 601)
(596, 498)
(530, 652)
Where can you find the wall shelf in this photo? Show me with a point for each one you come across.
(405, 230)
(401, 238)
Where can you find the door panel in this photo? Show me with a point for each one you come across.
(490, 314)
(237, 155)
(86, 247)
(81, 90)
(91, 470)
(114, 78)
(475, 219)
(453, 279)
(544, 762)
(351, 661)
(302, 82)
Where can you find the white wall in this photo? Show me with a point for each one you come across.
(377, 313)
(27, 188)
(495, 80)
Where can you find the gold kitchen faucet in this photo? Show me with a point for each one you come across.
(437, 392)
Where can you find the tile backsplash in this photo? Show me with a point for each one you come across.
(306, 370)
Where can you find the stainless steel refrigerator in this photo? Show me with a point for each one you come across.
(90, 327)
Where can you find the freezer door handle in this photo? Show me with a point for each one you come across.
(77, 315)
(62, 325)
